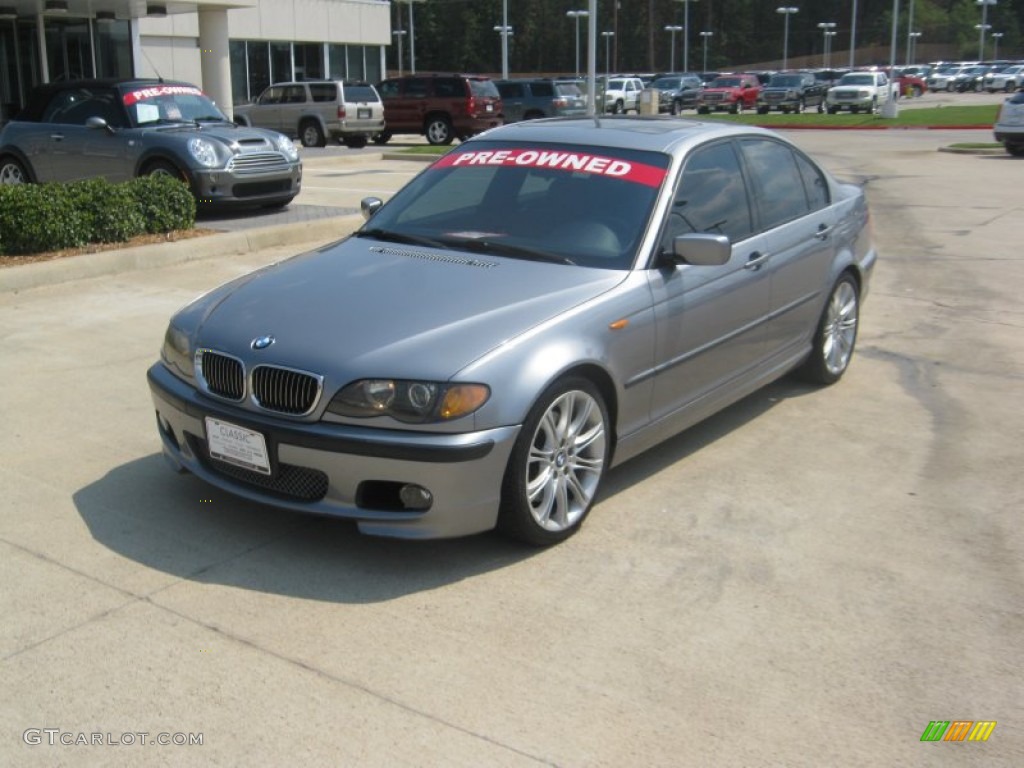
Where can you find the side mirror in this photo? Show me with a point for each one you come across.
(369, 206)
(701, 250)
(98, 122)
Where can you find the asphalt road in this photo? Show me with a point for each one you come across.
(807, 579)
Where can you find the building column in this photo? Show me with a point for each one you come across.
(215, 59)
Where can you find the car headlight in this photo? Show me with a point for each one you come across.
(286, 146)
(865, 94)
(203, 151)
(176, 352)
(414, 402)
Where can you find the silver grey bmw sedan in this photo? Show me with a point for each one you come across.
(545, 301)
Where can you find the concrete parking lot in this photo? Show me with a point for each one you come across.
(807, 579)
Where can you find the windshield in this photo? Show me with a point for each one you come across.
(170, 104)
(786, 81)
(857, 80)
(726, 82)
(567, 204)
(666, 83)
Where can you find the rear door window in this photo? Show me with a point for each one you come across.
(322, 92)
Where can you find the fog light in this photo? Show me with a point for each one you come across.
(415, 497)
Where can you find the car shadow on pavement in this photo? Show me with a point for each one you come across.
(179, 525)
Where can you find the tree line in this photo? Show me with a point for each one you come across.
(459, 35)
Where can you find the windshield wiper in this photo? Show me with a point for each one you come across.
(507, 249)
(400, 237)
(210, 119)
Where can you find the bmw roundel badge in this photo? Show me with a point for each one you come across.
(262, 342)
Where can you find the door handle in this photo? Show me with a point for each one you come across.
(755, 260)
(57, 136)
(824, 230)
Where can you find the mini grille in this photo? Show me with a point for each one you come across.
(284, 390)
(258, 162)
(224, 376)
(289, 481)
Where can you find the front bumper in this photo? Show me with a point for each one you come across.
(340, 470)
(228, 187)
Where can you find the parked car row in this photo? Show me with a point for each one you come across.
(976, 76)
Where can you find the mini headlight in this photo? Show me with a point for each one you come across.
(203, 151)
(287, 146)
(176, 353)
(414, 402)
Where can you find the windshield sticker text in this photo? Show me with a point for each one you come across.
(159, 90)
(639, 173)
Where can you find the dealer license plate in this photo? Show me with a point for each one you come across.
(363, 114)
(237, 445)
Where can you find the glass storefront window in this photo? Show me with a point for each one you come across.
(309, 61)
(281, 62)
(239, 73)
(259, 67)
(113, 48)
(336, 54)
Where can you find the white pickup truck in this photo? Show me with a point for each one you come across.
(859, 92)
(622, 94)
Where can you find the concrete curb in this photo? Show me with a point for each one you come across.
(36, 274)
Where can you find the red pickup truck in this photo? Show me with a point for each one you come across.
(729, 93)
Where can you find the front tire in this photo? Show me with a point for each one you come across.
(1017, 150)
(836, 335)
(165, 168)
(354, 142)
(311, 135)
(13, 172)
(439, 131)
(556, 465)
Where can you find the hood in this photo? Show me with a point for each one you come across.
(228, 133)
(362, 307)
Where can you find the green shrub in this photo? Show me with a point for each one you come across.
(40, 217)
(165, 203)
(111, 212)
(49, 217)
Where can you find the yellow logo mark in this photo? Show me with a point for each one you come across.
(982, 730)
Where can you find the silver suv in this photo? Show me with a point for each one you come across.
(314, 111)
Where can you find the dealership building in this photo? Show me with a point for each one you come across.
(233, 49)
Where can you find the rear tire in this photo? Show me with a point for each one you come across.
(557, 464)
(355, 142)
(439, 131)
(1017, 150)
(382, 138)
(836, 335)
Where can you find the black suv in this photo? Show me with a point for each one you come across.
(120, 129)
(440, 107)
(529, 99)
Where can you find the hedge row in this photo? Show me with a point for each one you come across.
(49, 217)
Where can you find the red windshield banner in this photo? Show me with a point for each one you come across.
(159, 90)
(613, 167)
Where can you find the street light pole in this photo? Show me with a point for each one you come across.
(853, 35)
(686, 34)
(505, 30)
(786, 11)
(607, 51)
(995, 42)
(706, 35)
(983, 26)
(672, 29)
(913, 45)
(399, 35)
(827, 32)
(576, 16)
(910, 26)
